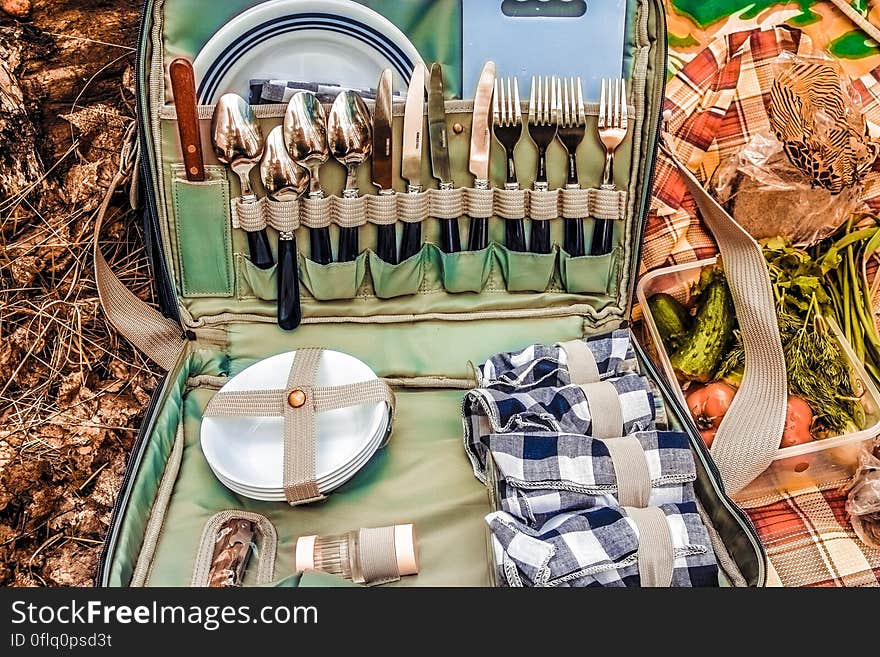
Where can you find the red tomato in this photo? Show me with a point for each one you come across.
(708, 404)
(798, 421)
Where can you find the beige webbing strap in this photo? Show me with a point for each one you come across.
(543, 206)
(160, 338)
(631, 471)
(382, 209)
(576, 203)
(479, 203)
(283, 216)
(609, 204)
(350, 212)
(606, 415)
(582, 367)
(510, 203)
(749, 435)
(300, 480)
(378, 555)
(656, 550)
(413, 208)
(446, 203)
(316, 212)
(247, 215)
(298, 404)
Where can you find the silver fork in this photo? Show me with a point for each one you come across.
(543, 125)
(613, 125)
(572, 128)
(507, 127)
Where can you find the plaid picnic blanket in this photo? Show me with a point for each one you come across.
(810, 542)
(715, 104)
(599, 547)
(543, 474)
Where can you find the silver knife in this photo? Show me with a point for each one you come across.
(478, 237)
(450, 239)
(411, 166)
(438, 130)
(480, 135)
(383, 152)
(413, 130)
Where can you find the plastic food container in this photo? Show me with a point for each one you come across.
(823, 463)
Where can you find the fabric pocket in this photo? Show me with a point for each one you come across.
(391, 281)
(589, 274)
(466, 271)
(526, 272)
(202, 226)
(337, 280)
(254, 282)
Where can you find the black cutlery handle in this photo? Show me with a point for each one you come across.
(478, 239)
(319, 239)
(539, 241)
(515, 234)
(450, 238)
(386, 244)
(289, 308)
(261, 252)
(603, 237)
(574, 237)
(348, 245)
(411, 242)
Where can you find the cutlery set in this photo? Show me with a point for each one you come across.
(290, 158)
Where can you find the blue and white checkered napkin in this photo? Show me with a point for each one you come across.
(540, 366)
(542, 474)
(563, 409)
(598, 547)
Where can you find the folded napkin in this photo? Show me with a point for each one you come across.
(542, 474)
(614, 407)
(548, 366)
(603, 547)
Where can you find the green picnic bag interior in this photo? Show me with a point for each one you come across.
(420, 325)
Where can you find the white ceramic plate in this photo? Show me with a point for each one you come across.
(250, 451)
(331, 41)
(325, 485)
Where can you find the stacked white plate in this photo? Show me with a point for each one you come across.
(247, 453)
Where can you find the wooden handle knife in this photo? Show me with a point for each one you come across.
(183, 85)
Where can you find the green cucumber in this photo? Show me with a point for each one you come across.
(699, 354)
(671, 318)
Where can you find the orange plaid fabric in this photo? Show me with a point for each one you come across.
(714, 106)
(810, 542)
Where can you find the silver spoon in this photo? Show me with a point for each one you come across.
(238, 143)
(305, 135)
(284, 180)
(350, 135)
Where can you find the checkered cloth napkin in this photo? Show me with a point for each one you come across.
(543, 474)
(598, 547)
(714, 105)
(540, 366)
(563, 410)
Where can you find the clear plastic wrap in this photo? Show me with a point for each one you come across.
(863, 503)
(800, 178)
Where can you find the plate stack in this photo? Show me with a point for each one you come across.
(247, 453)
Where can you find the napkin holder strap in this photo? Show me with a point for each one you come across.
(298, 404)
(582, 365)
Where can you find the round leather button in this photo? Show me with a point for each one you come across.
(296, 398)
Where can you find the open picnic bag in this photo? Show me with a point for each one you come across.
(429, 328)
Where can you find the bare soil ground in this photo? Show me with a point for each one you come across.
(72, 392)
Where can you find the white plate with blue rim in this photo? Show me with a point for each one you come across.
(338, 42)
(248, 452)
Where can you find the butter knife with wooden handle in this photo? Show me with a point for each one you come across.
(478, 238)
(183, 85)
